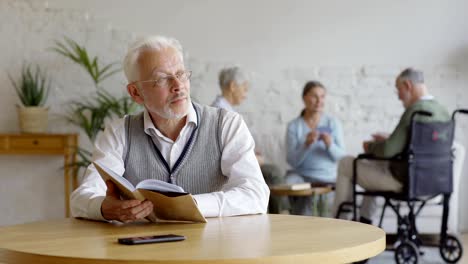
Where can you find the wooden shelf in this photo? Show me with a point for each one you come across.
(46, 144)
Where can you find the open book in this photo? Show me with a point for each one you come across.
(293, 187)
(170, 202)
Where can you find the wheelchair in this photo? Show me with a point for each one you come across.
(427, 159)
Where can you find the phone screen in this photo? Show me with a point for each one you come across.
(324, 129)
(150, 239)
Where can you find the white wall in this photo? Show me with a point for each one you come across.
(355, 48)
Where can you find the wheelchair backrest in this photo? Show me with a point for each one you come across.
(430, 158)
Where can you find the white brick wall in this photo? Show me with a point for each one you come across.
(360, 91)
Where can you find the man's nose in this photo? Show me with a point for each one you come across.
(175, 84)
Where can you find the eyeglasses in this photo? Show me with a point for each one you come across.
(165, 79)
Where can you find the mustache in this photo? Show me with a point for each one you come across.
(177, 97)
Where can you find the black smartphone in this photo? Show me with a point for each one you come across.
(150, 239)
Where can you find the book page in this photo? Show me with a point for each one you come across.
(159, 186)
(294, 186)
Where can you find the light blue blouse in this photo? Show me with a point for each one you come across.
(315, 161)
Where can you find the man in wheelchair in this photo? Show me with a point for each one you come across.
(380, 175)
(411, 165)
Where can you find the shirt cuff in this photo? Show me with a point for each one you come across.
(208, 204)
(95, 208)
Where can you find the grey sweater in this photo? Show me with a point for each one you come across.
(198, 169)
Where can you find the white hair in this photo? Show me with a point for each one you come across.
(413, 75)
(232, 74)
(145, 43)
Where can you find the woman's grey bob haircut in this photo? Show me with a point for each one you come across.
(232, 74)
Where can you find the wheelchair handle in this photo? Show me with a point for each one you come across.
(461, 110)
(420, 112)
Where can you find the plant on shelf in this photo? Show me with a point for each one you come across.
(91, 113)
(32, 89)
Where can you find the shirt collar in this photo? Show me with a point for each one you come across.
(150, 128)
(427, 97)
(224, 103)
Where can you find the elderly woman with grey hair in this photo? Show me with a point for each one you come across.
(314, 143)
(234, 84)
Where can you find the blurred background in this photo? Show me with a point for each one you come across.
(355, 48)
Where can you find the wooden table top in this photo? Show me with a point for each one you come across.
(243, 239)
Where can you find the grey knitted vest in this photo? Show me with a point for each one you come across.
(198, 169)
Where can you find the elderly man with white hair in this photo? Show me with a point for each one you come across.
(207, 151)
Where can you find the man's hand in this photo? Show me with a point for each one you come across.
(365, 145)
(378, 137)
(260, 158)
(311, 137)
(112, 208)
(327, 139)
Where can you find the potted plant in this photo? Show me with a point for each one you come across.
(91, 113)
(32, 89)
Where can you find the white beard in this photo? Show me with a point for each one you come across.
(168, 113)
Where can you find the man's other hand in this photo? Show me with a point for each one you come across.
(112, 208)
(365, 145)
(378, 137)
(260, 158)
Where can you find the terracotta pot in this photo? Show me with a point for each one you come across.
(33, 119)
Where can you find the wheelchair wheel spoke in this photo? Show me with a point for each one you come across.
(451, 249)
(406, 253)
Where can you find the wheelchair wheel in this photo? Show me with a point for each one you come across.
(451, 249)
(407, 253)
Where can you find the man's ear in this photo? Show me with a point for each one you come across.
(408, 85)
(232, 86)
(135, 93)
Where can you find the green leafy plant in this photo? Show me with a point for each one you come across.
(117, 106)
(91, 114)
(33, 86)
(72, 50)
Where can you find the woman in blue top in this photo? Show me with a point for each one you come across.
(315, 145)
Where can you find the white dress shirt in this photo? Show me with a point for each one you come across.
(245, 192)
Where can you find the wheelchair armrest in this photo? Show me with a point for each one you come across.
(373, 157)
(366, 156)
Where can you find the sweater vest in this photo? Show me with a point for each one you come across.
(197, 170)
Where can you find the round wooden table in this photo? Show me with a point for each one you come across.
(243, 239)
